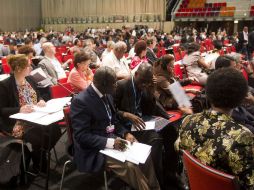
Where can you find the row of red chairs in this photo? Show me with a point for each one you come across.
(252, 11)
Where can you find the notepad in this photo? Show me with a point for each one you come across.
(135, 153)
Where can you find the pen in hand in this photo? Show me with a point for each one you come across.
(120, 144)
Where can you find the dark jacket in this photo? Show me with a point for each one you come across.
(89, 121)
(151, 56)
(9, 102)
(241, 40)
(125, 101)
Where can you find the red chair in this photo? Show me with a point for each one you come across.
(66, 57)
(206, 178)
(70, 151)
(63, 80)
(245, 74)
(60, 91)
(177, 56)
(177, 71)
(6, 68)
(177, 114)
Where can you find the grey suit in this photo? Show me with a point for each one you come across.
(49, 69)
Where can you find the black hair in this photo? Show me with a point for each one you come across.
(192, 47)
(226, 88)
(223, 61)
(217, 44)
(103, 79)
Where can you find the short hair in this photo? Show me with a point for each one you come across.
(192, 47)
(223, 61)
(28, 41)
(80, 57)
(110, 44)
(139, 47)
(46, 45)
(120, 46)
(164, 61)
(145, 72)
(87, 41)
(17, 61)
(217, 44)
(26, 49)
(226, 88)
(103, 77)
(237, 57)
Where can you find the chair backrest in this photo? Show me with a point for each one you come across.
(6, 68)
(206, 178)
(60, 91)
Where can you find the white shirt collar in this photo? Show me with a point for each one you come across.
(97, 91)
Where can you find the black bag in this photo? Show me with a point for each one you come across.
(10, 160)
(200, 102)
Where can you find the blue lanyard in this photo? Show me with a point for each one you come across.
(109, 113)
(135, 94)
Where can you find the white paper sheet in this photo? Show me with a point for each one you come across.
(179, 95)
(28, 116)
(135, 153)
(150, 125)
(53, 105)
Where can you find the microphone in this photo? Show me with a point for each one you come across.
(72, 94)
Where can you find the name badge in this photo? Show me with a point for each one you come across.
(110, 128)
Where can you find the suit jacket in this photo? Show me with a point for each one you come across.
(89, 121)
(125, 102)
(9, 102)
(241, 40)
(151, 56)
(48, 69)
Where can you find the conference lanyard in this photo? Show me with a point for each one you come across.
(109, 113)
(136, 102)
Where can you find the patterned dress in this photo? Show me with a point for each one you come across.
(216, 140)
(27, 95)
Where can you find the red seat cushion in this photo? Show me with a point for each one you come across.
(177, 114)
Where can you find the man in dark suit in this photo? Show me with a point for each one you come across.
(95, 128)
(134, 101)
(150, 55)
(243, 42)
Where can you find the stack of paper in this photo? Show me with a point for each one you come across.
(52, 112)
(135, 153)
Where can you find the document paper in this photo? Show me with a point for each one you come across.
(179, 95)
(135, 153)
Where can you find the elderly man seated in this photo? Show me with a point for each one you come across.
(116, 61)
(50, 65)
